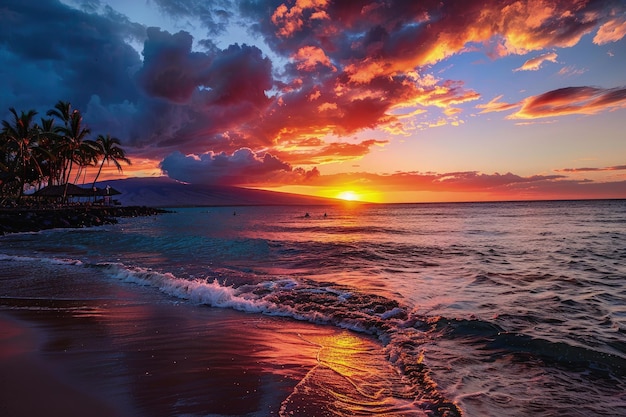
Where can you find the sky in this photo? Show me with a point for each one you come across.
(376, 100)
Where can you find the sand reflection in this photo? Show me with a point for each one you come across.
(141, 353)
(352, 377)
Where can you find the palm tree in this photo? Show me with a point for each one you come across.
(110, 151)
(22, 148)
(88, 155)
(49, 138)
(75, 149)
(62, 110)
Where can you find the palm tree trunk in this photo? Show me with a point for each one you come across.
(67, 180)
(98, 174)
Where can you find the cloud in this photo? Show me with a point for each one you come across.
(314, 151)
(289, 20)
(611, 31)
(576, 170)
(571, 100)
(561, 102)
(173, 72)
(214, 16)
(375, 39)
(242, 167)
(245, 167)
(491, 186)
(496, 106)
(170, 71)
(571, 70)
(43, 63)
(534, 64)
(322, 71)
(309, 57)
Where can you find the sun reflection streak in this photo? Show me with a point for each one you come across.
(353, 377)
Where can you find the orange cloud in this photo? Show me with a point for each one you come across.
(416, 36)
(611, 31)
(571, 100)
(315, 151)
(561, 102)
(496, 106)
(354, 67)
(327, 107)
(470, 185)
(309, 57)
(288, 21)
(534, 64)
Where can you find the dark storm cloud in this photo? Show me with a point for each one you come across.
(214, 15)
(204, 93)
(172, 99)
(170, 70)
(65, 54)
(241, 167)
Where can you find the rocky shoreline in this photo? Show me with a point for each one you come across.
(16, 220)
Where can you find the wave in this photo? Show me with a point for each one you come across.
(402, 332)
(325, 303)
(399, 330)
(497, 341)
(52, 261)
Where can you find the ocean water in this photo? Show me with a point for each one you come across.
(474, 309)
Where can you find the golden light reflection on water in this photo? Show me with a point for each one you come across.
(353, 377)
(340, 354)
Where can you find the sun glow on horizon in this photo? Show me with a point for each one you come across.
(348, 196)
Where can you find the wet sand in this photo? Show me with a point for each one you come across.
(32, 386)
(74, 344)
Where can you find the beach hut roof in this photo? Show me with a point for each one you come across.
(59, 190)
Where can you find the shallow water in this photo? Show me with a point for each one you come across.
(483, 309)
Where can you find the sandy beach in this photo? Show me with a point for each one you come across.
(72, 344)
(84, 347)
(33, 385)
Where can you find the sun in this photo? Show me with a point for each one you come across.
(348, 196)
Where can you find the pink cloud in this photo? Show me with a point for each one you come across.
(495, 105)
(309, 57)
(290, 20)
(494, 186)
(611, 31)
(571, 100)
(355, 66)
(534, 64)
(561, 102)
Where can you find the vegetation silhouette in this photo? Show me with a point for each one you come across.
(35, 155)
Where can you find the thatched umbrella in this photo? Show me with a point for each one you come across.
(55, 191)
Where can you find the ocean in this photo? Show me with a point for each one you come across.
(473, 309)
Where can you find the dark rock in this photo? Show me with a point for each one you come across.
(19, 219)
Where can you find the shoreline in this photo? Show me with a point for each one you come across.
(26, 219)
(93, 347)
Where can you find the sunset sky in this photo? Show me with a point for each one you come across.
(392, 100)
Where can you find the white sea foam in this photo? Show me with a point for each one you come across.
(30, 259)
(212, 293)
(285, 297)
